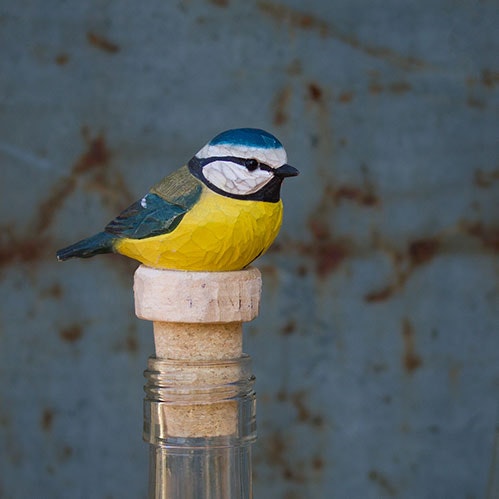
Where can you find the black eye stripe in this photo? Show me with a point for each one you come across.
(238, 161)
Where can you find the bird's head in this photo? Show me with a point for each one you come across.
(245, 163)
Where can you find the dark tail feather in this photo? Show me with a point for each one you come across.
(100, 243)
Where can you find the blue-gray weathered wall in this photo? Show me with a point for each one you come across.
(376, 351)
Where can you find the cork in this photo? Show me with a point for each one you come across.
(197, 322)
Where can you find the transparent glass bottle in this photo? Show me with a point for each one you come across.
(200, 422)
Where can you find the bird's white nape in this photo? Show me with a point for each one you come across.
(236, 179)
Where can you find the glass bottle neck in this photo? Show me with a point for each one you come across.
(200, 420)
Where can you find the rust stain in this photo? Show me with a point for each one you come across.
(303, 413)
(485, 179)
(298, 401)
(53, 291)
(282, 395)
(102, 43)
(49, 207)
(345, 97)
(294, 18)
(382, 294)
(383, 482)
(110, 185)
(423, 250)
(294, 474)
(318, 463)
(96, 156)
(288, 328)
(489, 78)
(375, 88)
(71, 333)
(21, 249)
(329, 257)
(410, 359)
(94, 164)
(489, 236)
(131, 344)
(62, 59)
(301, 20)
(315, 92)
(319, 230)
(276, 452)
(419, 252)
(280, 106)
(327, 252)
(399, 87)
(47, 419)
(475, 103)
(128, 342)
(364, 196)
(276, 449)
(65, 453)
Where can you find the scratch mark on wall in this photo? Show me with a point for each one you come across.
(302, 20)
(25, 157)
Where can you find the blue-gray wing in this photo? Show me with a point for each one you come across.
(151, 216)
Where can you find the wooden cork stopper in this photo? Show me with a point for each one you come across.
(198, 316)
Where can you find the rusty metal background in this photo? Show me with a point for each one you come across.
(376, 352)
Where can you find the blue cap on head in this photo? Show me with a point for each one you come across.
(251, 137)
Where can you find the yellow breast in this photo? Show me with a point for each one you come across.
(218, 234)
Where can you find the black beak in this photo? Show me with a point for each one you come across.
(286, 171)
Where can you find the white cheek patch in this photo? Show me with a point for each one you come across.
(235, 179)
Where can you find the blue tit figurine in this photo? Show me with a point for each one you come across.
(218, 213)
